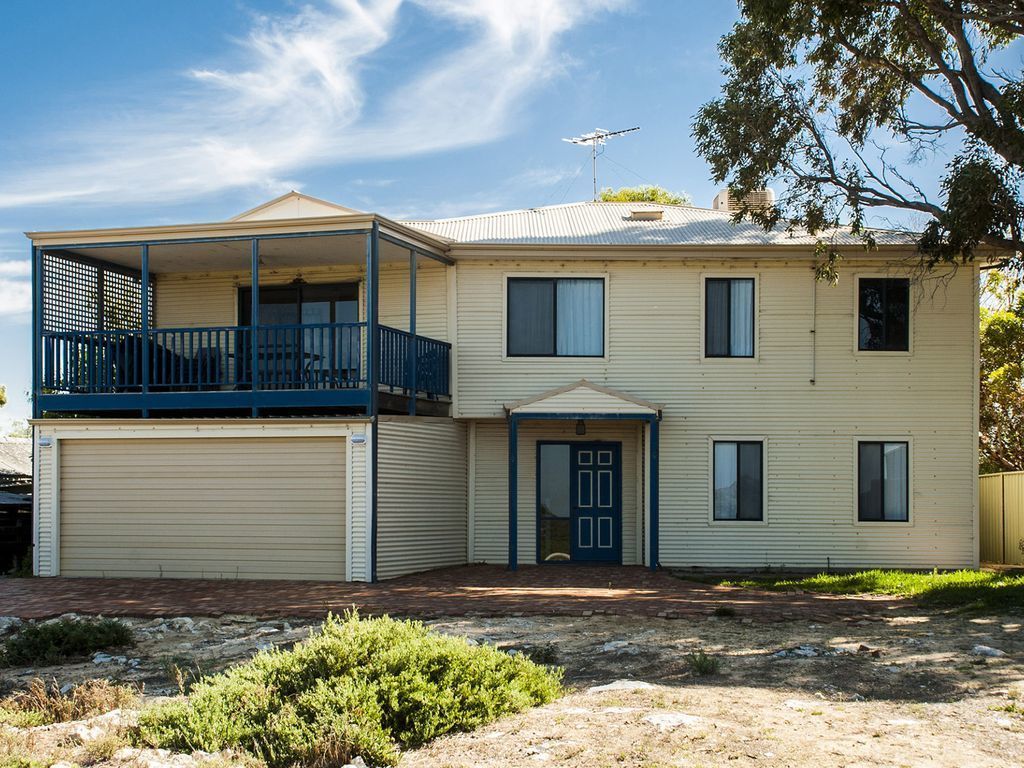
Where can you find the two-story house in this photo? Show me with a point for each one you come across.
(308, 391)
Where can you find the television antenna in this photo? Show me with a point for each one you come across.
(597, 137)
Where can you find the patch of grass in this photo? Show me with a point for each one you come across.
(951, 589)
(702, 663)
(42, 704)
(55, 642)
(184, 671)
(357, 687)
(102, 749)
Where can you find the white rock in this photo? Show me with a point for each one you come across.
(356, 762)
(9, 624)
(621, 685)
(987, 650)
(903, 721)
(102, 658)
(669, 721)
(801, 704)
(614, 645)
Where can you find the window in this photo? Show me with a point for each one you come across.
(302, 303)
(738, 481)
(729, 322)
(884, 323)
(550, 317)
(882, 482)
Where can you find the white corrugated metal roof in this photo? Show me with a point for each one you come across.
(591, 223)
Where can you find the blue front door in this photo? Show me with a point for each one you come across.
(595, 498)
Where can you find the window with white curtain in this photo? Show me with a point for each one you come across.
(738, 480)
(729, 317)
(883, 482)
(555, 317)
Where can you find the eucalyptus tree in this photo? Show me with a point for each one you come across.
(842, 103)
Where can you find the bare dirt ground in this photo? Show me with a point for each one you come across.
(907, 690)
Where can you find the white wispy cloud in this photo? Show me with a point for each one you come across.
(16, 268)
(297, 99)
(15, 298)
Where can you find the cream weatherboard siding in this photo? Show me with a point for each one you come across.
(804, 330)
(421, 494)
(490, 502)
(195, 498)
(186, 300)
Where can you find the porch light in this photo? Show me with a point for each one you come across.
(581, 427)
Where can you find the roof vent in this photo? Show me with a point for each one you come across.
(646, 214)
(759, 198)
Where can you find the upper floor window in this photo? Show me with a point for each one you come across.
(738, 480)
(729, 322)
(882, 482)
(555, 317)
(884, 316)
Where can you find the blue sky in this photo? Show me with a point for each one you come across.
(150, 112)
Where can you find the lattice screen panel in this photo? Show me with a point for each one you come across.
(73, 292)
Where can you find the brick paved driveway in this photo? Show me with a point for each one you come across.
(471, 590)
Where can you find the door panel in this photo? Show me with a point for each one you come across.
(596, 503)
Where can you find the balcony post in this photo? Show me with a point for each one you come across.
(372, 327)
(513, 492)
(144, 304)
(254, 321)
(37, 329)
(413, 360)
(652, 480)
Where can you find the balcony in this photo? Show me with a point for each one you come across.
(100, 346)
(280, 366)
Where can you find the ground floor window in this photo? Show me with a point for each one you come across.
(738, 480)
(883, 481)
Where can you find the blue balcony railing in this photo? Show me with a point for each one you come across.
(307, 357)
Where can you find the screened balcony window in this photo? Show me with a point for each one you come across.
(738, 480)
(883, 482)
(729, 322)
(555, 317)
(884, 317)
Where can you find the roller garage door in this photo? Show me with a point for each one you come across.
(248, 508)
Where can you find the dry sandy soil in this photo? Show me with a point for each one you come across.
(908, 690)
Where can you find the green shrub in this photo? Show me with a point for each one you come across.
(358, 687)
(54, 642)
(701, 663)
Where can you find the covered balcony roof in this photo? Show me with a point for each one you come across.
(294, 230)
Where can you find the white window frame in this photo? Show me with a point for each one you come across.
(855, 452)
(726, 275)
(737, 524)
(556, 359)
(857, 351)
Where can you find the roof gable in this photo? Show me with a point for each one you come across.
(583, 397)
(293, 205)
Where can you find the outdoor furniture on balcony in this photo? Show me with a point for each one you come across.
(303, 357)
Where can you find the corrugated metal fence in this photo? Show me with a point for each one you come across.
(1001, 508)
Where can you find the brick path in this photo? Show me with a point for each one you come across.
(470, 590)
